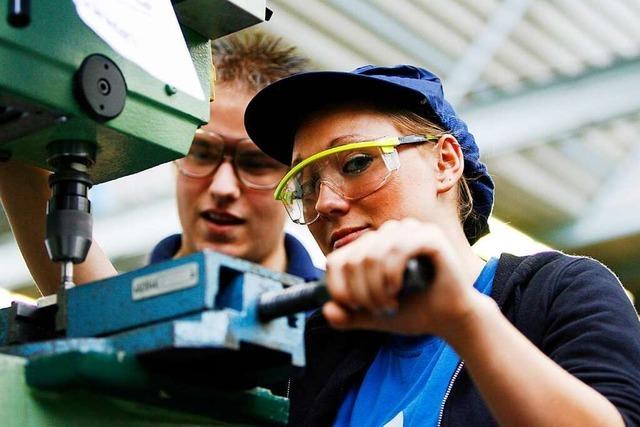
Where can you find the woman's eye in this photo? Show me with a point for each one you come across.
(356, 164)
(309, 188)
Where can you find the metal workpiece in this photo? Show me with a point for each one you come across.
(22, 323)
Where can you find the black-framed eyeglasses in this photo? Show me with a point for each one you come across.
(254, 168)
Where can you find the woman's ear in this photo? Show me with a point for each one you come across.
(450, 162)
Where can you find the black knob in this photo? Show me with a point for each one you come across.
(100, 87)
(19, 15)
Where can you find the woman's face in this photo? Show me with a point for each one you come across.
(412, 191)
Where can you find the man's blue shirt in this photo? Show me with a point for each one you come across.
(298, 259)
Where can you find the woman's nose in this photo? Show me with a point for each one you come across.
(330, 202)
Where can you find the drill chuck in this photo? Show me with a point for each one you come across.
(69, 221)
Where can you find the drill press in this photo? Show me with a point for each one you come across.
(72, 103)
(100, 116)
(202, 325)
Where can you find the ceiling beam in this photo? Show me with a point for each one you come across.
(605, 226)
(393, 32)
(536, 183)
(467, 71)
(537, 115)
(327, 51)
(612, 214)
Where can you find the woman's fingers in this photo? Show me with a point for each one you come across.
(335, 314)
(359, 276)
(365, 279)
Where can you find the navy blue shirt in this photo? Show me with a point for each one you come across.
(573, 309)
(298, 260)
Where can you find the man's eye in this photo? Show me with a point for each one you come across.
(252, 164)
(356, 164)
(200, 156)
(257, 162)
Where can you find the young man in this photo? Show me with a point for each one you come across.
(224, 185)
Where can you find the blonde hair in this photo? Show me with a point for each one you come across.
(254, 59)
(412, 123)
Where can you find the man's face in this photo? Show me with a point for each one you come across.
(218, 212)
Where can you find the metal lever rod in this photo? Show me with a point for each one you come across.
(418, 276)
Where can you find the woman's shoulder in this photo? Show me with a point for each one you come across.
(553, 272)
(553, 288)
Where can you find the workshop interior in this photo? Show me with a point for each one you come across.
(523, 73)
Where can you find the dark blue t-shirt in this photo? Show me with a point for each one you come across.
(406, 383)
(298, 260)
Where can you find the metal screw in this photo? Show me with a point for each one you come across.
(104, 87)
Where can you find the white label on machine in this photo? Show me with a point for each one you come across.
(147, 33)
(165, 281)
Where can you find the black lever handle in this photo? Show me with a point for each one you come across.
(19, 13)
(273, 304)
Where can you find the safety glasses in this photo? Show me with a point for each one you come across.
(352, 171)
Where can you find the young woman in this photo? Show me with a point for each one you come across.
(383, 171)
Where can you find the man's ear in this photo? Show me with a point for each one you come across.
(450, 162)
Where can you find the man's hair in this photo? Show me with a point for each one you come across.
(254, 59)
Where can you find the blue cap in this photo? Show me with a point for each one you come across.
(273, 116)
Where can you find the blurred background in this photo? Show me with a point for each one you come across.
(549, 88)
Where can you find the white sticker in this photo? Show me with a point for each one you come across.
(165, 281)
(147, 33)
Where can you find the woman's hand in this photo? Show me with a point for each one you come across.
(365, 277)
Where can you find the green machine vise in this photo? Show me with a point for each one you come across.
(73, 104)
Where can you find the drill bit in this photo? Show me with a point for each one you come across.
(67, 275)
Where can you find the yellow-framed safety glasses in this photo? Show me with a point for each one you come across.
(352, 171)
